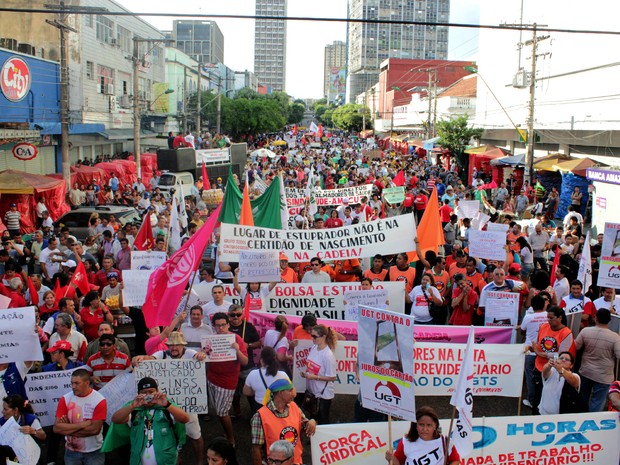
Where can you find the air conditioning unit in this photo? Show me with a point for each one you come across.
(8, 43)
(109, 89)
(113, 104)
(124, 101)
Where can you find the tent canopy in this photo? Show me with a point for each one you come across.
(509, 160)
(546, 163)
(576, 166)
(19, 182)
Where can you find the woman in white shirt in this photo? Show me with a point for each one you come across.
(527, 257)
(256, 292)
(258, 380)
(556, 396)
(276, 338)
(421, 297)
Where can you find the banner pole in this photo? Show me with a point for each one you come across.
(447, 451)
(191, 285)
(390, 433)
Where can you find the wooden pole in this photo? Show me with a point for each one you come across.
(447, 452)
(390, 433)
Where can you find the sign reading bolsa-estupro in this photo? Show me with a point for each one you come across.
(389, 236)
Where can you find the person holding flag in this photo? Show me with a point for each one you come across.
(423, 443)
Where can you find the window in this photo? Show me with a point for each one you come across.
(105, 29)
(105, 78)
(88, 20)
(124, 40)
(90, 70)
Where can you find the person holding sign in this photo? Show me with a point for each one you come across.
(423, 443)
(256, 293)
(17, 407)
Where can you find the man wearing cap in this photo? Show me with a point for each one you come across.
(281, 418)
(61, 353)
(12, 220)
(287, 274)
(108, 362)
(150, 417)
(105, 327)
(79, 416)
(176, 350)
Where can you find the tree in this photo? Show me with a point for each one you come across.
(455, 134)
(315, 105)
(296, 113)
(349, 117)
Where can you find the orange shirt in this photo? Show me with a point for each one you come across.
(512, 237)
(374, 277)
(347, 265)
(454, 269)
(474, 281)
(408, 276)
(442, 282)
(300, 333)
(289, 275)
(304, 267)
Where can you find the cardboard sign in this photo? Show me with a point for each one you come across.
(501, 309)
(218, 347)
(24, 446)
(377, 298)
(468, 209)
(147, 259)
(394, 195)
(45, 390)
(122, 389)
(135, 286)
(19, 342)
(183, 380)
(390, 235)
(487, 244)
(259, 266)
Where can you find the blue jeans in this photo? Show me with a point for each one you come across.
(84, 458)
(530, 364)
(598, 392)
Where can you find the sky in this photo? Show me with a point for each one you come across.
(306, 39)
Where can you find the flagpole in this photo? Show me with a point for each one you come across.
(447, 451)
(390, 433)
(191, 285)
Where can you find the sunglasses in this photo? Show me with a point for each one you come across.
(316, 264)
(235, 315)
(105, 344)
(271, 461)
(315, 336)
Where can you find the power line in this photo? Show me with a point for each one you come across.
(523, 27)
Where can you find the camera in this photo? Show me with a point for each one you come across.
(149, 398)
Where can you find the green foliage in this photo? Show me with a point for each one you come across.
(455, 134)
(248, 93)
(327, 117)
(349, 117)
(296, 113)
(322, 101)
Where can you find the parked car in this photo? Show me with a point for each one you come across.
(77, 220)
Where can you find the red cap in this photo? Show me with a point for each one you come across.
(60, 345)
(515, 268)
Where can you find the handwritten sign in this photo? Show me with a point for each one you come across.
(501, 309)
(497, 227)
(183, 380)
(487, 244)
(377, 298)
(19, 341)
(25, 448)
(135, 285)
(147, 260)
(394, 195)
(118, 392)
(45, 390)
(468, 209)
(218, 347)
(259, 266)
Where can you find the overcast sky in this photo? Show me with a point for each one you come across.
(306, 39)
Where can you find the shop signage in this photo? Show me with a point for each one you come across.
(25, 151)
(15, 79)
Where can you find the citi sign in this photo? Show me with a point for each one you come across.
(387, 392)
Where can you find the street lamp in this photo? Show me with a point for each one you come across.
(166, 92)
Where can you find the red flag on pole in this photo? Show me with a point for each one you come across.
(34, 296)
(80, 279)
(206, 185)
(556, 262)
(144, 239)
(167, 283)
(399, 179)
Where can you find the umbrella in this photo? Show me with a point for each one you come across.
(577, 166)
(263, 153)
(279, 142)
(510, 160)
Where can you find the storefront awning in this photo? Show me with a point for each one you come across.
(78, 128)
(124, 134)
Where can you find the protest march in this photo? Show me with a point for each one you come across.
(364, 309)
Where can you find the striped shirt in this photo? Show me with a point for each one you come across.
(106, 371)
(11, 219)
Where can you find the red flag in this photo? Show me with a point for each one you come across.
(556, 262)
(295, 130)
(145, 240)
(80, 279)
(246, 307)
(34, 296)
(246, 218)
(206, 185)
(320, 130)
(167, 283)
(399, 179)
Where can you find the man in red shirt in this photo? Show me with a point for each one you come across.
(444, 213)
(420, 202)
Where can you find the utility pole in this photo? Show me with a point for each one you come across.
(432, 82)
(219, 105)
(136, 107)
(198, 102)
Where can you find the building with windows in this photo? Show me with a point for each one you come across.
(245, 79)
(335, 71)
(270, 45)
(369, 44)
(201, 40)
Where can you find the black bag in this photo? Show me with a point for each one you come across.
(437, 312)
(310, 404)
(571, 401)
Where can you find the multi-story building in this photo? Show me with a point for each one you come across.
(335, 71)
(369, 44)
(270, 45)
(245, 79)
(201, 40)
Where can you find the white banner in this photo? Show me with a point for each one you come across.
(376, 298)
(386, 362)
(496, 367)
(212, 156)
(218, 347)
(326, 197)
(257, 266)
(135, 285)
(501, 309)
(24, 446)
(487, 244)
(183, 380)
(346, 364)
(497, 227)
(590, 438)
(122, 389)
(45, 390)
(468, 209)
(390, 236)
(147, 260)
(322, 300)
(19, 342)
(609, 270)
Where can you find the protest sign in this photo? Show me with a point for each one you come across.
(322, 300)
(346, 363)
(45, 390)
(376, 298)
(182, 380)
(609, 270)
(390, 235)
(4, 302)
(496, 366)
(259, 266)
(212, 156)
(468, 209)
(147, 260)
(122, 389)
(386, 362)
(19, 342)
(487, 244)
(295, 197)
(25, 448)
(218, 347)
(497, 227)
(501, 308)
(394, 195)
(542, 440)
(135, 285)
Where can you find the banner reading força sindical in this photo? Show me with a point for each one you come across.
(389, 236)
(590, 438)
(385, 348)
